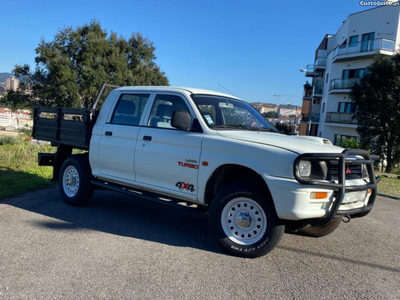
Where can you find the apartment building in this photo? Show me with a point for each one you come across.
(12, 84)
(341, 59)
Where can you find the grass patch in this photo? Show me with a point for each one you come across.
(389, 186)
(19, 171)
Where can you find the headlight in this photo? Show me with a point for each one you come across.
(304, 168)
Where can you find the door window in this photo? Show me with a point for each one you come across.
(162, 110)
(368, 41)
(129, 109)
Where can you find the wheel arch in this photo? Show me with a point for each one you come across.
(230, 173)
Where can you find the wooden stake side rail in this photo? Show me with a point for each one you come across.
(64, 125)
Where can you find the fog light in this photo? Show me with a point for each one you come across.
(304, 168)
(318, 195)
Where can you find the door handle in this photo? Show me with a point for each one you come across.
(109, 133)
(147, 138)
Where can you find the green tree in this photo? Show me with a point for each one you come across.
(284, 128)
(351, 143)
(71, 68)
(270, 114)
(377, 96)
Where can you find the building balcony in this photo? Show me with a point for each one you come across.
(310, 71)
(363, 49)
(314, 117)
(342, 85)
(320, 63)
(339, 117)
(318, 89)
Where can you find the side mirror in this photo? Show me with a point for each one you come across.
(181, 120)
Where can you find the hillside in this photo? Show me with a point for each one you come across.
(4, 76)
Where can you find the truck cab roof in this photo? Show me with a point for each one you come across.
(175, 89)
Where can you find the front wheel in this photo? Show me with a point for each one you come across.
(244, 222)
(74, 181)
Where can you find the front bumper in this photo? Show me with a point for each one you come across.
(292, 197)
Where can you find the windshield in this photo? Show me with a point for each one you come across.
(222, 112)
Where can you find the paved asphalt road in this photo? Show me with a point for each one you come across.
(120, 247)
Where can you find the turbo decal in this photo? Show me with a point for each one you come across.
(183, 186)
(187, 165)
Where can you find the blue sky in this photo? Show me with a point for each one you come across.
(253, 48)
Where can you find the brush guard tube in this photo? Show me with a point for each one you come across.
(341, 187)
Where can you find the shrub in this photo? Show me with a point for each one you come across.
(8, 140)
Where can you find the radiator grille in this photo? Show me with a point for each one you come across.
(351, 171)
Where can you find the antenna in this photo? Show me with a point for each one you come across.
(227, 90)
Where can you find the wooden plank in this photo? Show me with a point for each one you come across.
(47, 109)
(72, 124)
(65, 138)
(73, 111)
(73, 133)
(45, 136)
(46, 122)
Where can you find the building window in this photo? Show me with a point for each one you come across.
(339, 139)
(327, 77)
(353, 41)
(354, 73)
(347, 107)
(368, 41)
(323, 107)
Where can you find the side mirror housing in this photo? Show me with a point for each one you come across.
(181, 120)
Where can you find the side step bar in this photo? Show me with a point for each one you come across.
(171, 202)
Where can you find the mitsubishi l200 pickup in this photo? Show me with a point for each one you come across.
(213, 153)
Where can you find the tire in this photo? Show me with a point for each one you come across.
(320, 231)
(74, 181)
(244, 222)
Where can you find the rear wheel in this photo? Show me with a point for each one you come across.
(320, 231)
(244, 222)
(74, 181)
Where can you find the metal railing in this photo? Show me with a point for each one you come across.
(339, 117)
(320, 62)
(314, 117)
(365, 46)
(318, 88)
(340, 84)
(310, 68)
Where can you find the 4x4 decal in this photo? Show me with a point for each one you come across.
(183, 186)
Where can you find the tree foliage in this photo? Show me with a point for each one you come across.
(270, 114)
(377, 96)
(71, 68)
(284, 128)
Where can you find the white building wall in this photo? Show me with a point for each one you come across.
(384, 21)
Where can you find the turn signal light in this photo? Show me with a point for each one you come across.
(318, 195)
(369, 191)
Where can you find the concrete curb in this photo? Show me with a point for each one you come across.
(388, 196)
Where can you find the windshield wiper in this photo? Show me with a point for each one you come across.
(232, 126)
(246, 127)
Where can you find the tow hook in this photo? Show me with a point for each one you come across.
(346, 219)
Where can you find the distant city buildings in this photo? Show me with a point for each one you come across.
(11, 120)
(12, 84)
(288, 114)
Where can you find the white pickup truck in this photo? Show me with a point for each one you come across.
(213, 153)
